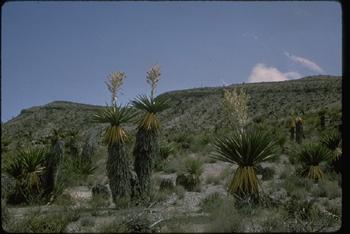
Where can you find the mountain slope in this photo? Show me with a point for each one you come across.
(193, 110)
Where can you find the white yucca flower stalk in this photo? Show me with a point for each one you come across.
(235, 105)
(114, 82)
(153, 76)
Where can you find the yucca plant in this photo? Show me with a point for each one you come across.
(115, 137)
(246, 149)
(311, 155)
(146, 148)
(27, 169)
(333, 141)
(194, 167)
(54, 160)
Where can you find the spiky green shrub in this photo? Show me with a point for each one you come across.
(247, 150)
(311, 155)
(190, 177)
(165, 150)
(194, 167)
(146, 149)
(333, 141)
(72, 143)
(27, 168)
(115, 137)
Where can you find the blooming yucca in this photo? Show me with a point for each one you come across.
(146, 148)
(153, 76)
(114, 83)
(115, 137)
(235, 104)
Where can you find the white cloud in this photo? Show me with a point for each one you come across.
(305, 63)
(261, 73)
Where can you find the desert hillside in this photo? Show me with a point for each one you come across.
(196, 118)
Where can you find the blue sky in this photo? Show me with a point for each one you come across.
(65, 50)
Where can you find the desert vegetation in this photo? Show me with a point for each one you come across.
(262, 157)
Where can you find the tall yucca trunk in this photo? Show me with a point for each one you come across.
(53, 166)
(299, 131)
(145, 152)
(118, 172)
(322, 121)
(292, 130)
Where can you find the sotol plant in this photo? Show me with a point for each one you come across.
(115, 138)
(146, 148)
(247, 150)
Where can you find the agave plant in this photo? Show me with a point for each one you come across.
(27, 169)
(311, 155)
(146, 149)
(246, 149)
(115, 137)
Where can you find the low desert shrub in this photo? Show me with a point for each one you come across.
(225, 217)
(41, 223)
(180, 191)
(210, 202)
